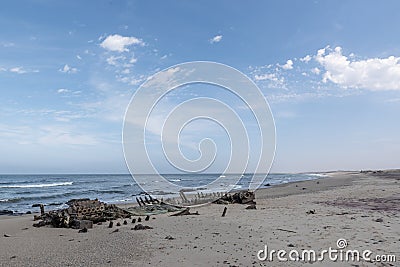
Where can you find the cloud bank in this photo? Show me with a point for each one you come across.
(347, 72)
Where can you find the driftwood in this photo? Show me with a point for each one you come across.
(289, 231)
(224, 212)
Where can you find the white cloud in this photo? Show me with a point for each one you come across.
(12, 131)
(288, 65)
(68, 93)
(121, 61)
(267, 76)
(18, 70)
(133, 60)
(306, 58)
(101, 37)
(270, 80)
(63, 91)
(316, 71)
(113, 60)
(68, 69)
(120, 43)
(58, 135)
(296, 96)
(78, 57)
(132, 80)
(371, 73)
(216, 39)
(7, 44)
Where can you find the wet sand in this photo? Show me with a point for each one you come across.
(362, 208)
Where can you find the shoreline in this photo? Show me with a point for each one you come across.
(57, 204)
(351, 205)
(54, 205)
(283, 189)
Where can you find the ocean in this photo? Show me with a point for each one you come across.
(19, 192)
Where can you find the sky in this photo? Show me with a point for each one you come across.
(330, 71)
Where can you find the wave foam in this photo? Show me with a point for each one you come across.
(35, 185)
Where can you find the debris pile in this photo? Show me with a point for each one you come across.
(81, 213)
(241, 197)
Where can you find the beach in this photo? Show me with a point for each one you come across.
(361, 209)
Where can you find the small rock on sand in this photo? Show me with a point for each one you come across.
(84, 230)
(251, 207)
(142, 227)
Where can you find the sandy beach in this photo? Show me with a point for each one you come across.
(362, 208)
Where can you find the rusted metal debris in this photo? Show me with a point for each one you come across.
(146, 201)
(153, 209)
(81, 213)
(199, 198)
(241, 197)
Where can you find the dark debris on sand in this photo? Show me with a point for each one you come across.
(79, 213)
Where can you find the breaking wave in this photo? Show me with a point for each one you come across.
(35, 185)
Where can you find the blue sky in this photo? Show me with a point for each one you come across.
(330, 71)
